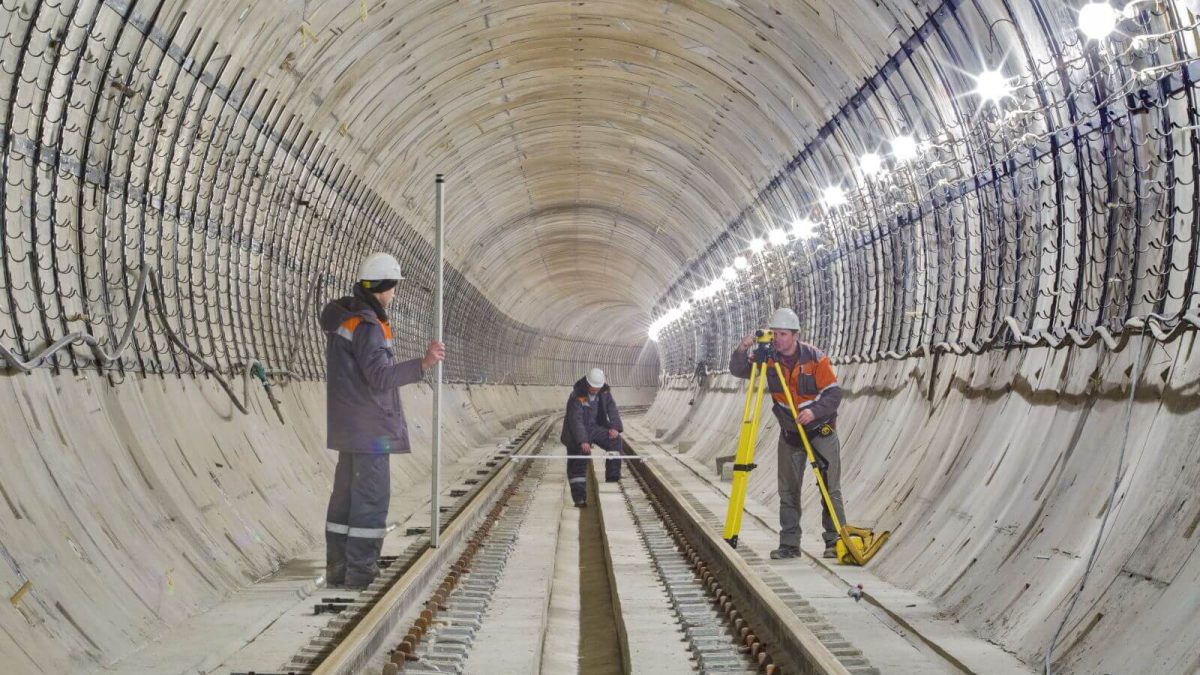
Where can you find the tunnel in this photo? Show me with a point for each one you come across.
(984, 214)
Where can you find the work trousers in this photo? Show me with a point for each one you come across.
(356, 520)
(577, 468)
(791, 461)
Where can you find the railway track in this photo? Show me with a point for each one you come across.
(430, 611)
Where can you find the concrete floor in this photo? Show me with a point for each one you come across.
(653, 635)
(262, 626)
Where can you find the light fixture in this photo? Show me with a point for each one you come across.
(740, 262)
(777, 237)
(684, 307)
(728, 274)
(871, 164)
(1097, 20)
(804, 228)
(991, 85)
(904, 148)
(834, 196)
(757, 245)
(700, 294)
(656, 327)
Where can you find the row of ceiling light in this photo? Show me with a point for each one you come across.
(1097, 21)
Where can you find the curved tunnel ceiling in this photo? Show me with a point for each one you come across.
(591, 148)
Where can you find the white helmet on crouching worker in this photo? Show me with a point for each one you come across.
(379, 267)
(595, 378)
(784, 319)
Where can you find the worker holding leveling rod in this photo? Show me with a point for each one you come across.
(815, 392)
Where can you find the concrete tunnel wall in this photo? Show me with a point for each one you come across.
(993, 472)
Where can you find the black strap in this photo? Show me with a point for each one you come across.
(744, 467)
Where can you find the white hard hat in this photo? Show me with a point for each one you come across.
(595, 378)
(379, 267)
(785, 319)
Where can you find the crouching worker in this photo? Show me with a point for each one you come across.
(816, 394)
(365, 419)
(592, 419)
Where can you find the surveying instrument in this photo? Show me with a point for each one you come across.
(856, 545)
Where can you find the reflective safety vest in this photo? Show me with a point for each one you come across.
(808, 377)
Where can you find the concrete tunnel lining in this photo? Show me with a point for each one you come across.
(608, 160)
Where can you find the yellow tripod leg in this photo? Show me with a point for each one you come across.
(743, 460)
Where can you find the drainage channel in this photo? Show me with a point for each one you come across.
(349, 610)
(600, 649)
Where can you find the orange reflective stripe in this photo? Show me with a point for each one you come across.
(346, 330)
(791, 376)
(349, 325)
(824, 374)
(821, 369)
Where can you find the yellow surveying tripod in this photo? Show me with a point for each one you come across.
(856, 545)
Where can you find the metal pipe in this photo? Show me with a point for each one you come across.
(439, 182)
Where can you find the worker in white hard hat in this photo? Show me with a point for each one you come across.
(816, 393)
(592, 419)
(365, 419)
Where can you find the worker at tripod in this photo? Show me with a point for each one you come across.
(815, 391)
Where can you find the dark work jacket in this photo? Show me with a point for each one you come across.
(813, 384)
(363, 379)
(584, 416)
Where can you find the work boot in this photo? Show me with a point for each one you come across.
(580, 505)
(830, 552)
(357, 582)
(784, 552)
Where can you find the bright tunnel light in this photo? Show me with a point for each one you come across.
(804, 228)
(991, 85)
(777, 237)
(740, 262)
(871, 164)
(834, 196)
(757, 245)
(904, 148)
(728, 274)
(1097, 20)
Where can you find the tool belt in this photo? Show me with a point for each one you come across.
(822, 430)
